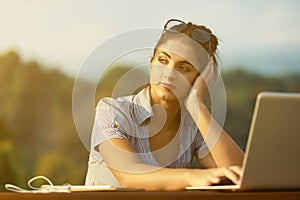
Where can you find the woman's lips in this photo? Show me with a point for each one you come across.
(167, 85)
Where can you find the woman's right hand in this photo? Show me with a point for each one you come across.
(206, 177)
(202, 83)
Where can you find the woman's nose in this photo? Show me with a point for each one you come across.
(170, 72)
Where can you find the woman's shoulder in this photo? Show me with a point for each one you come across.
(120, 102)
(115, 112)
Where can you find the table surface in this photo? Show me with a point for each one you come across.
(190, 195)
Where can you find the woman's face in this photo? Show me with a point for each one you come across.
(171, 76)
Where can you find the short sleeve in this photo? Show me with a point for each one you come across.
(110, 122)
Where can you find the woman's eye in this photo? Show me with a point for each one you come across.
(184, 68)
(162, 60)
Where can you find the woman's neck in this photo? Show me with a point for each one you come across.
(166, 114)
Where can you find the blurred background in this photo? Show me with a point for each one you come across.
(44, 43)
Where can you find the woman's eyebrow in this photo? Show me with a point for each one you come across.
(169, 56)
(187, 62)
(165, 54)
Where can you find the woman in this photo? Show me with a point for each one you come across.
(148, 140)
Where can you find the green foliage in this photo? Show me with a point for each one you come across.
(241, 90)
(37, 132)
(35, 109)
(109, 84)
(10, 170)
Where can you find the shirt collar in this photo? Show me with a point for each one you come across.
(141, 110)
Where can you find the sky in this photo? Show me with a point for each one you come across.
(259, 35)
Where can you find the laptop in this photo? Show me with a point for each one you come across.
(272, 160)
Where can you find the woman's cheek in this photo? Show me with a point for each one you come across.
(157, 73)
(154, 77)
(182, 85)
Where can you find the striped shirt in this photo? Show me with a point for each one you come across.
(125, 118)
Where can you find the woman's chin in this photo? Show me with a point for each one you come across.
(165, 93)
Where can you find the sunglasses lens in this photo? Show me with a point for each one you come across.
(179, 26)
(200, 35)
(175, 26)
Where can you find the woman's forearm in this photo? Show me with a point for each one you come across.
(156, 179)
(131, 172)
(172, 178)
(222, 147)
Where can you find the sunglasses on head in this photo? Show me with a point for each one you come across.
(178, 26)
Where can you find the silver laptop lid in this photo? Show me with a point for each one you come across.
(272, 158)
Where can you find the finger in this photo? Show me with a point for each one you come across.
(207, 70)
(199, 85)
(199, 80)
(234, 177)
(237, 169)
(208, 73)
(212, 179)
(228, 173)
